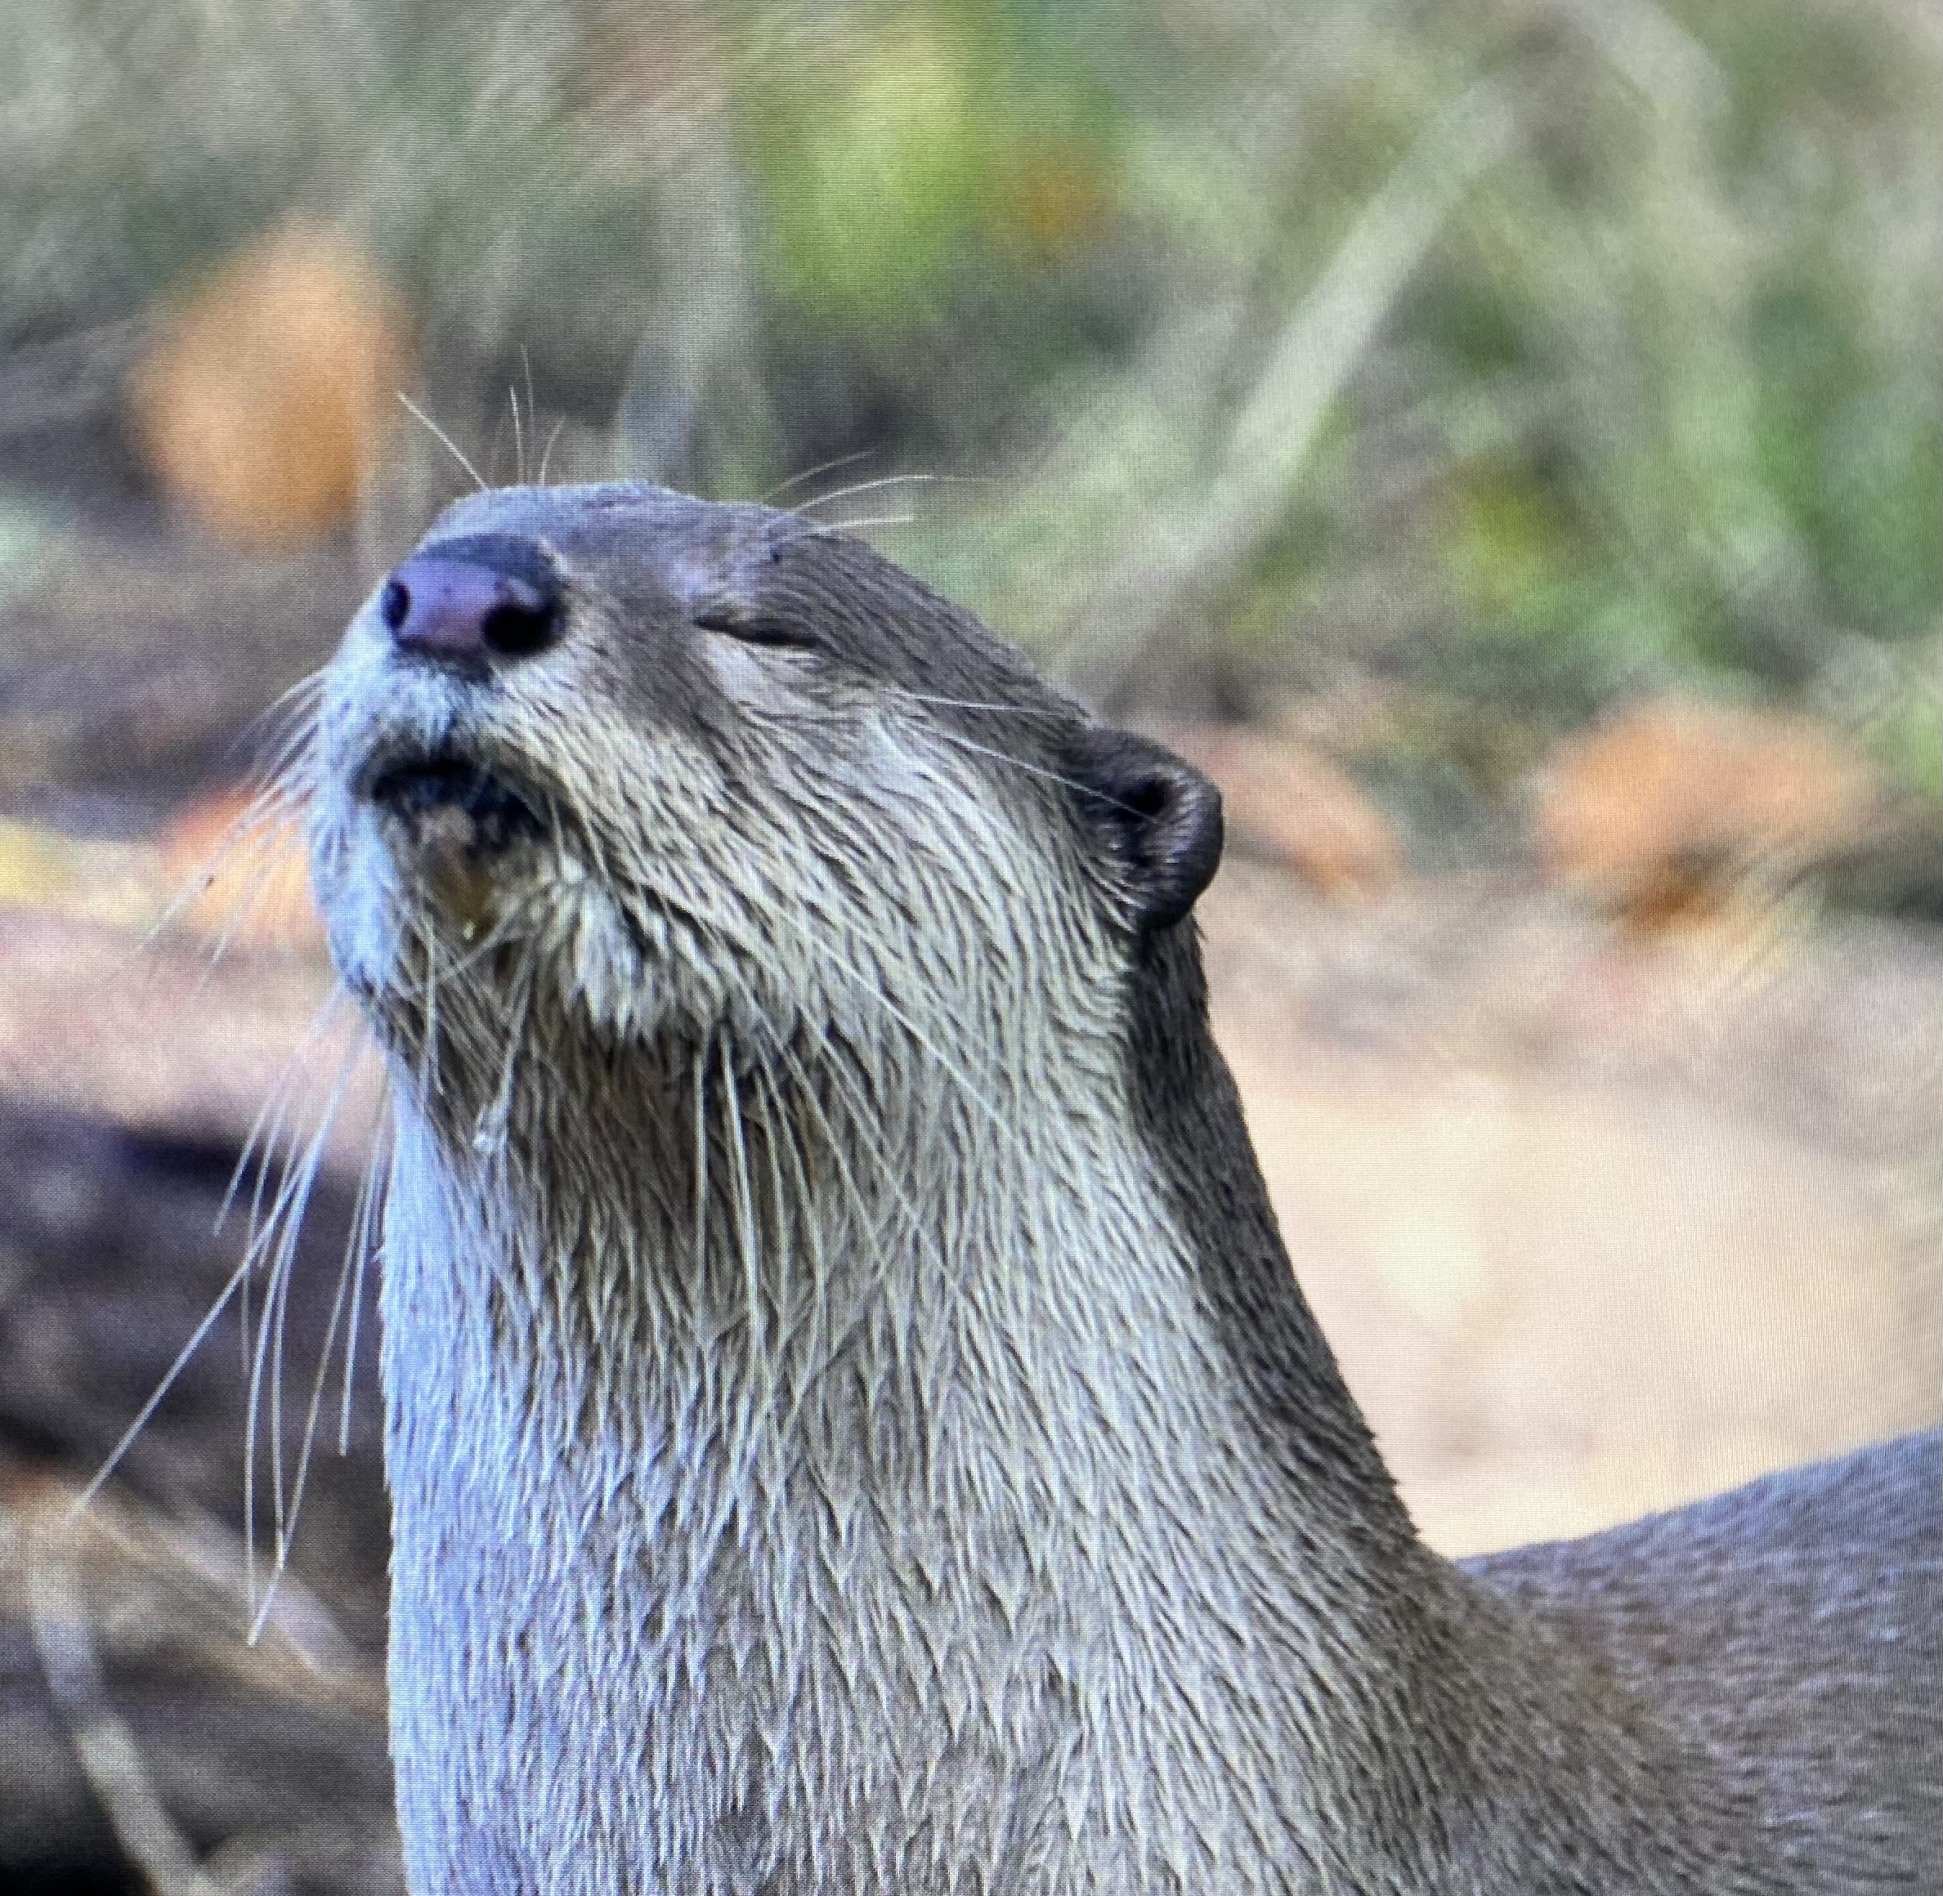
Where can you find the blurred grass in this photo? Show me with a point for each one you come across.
(1280, 372)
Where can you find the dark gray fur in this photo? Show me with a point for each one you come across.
(853, 1426)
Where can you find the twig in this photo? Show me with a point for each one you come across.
(1209, 532)
(72, 379)
(109, 1757)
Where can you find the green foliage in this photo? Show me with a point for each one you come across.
(1848, 443)
(876, 164)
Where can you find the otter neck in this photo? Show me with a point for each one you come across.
(827, 1436)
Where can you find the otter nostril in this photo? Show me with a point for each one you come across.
(464, 602)
(517, 630)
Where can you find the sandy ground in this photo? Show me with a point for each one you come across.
(1596, 1226)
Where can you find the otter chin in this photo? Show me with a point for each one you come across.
(852, 1424)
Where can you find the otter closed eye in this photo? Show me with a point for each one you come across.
(752, 630)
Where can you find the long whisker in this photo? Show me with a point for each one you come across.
(504, 928)
(1092, 791)
(259, 1144)
(276, 1313)
(126, 1440)
(810, 473)
(427, 939)
(282, 1273)
(1052, 713)
(287, 1533)
(278, 1241)
(283, 724)
(891, 480)
(489, 1134)
(260, 880)
(439, 434)
(261, 817)
(519, 433)
(289, 713)
(285, 773)
(363, 1219)
(311, 681)
(278, 1103)
(498, 435)
(872, 520)
(547, 453)
(291, 696)
(281, 1102)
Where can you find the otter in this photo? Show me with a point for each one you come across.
(851, 1421)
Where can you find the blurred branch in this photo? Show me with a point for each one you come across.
(1206, 534)
(103, 1743)
(1657, 55)
(70, 379)
(690, 414)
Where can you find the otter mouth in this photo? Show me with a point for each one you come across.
(444, 798)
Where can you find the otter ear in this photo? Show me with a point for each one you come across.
(1155, 818)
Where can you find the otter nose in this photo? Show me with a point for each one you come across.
(451, 608)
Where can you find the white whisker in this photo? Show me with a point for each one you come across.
(1090, 791)
(439, 434)
(872, 520)
(890, 480)
(810, 473)
(362, 1240)
(519, 433)
(126, 1440)
(276, 1240)
(251, 831)
(547, 453)
(1055, 714)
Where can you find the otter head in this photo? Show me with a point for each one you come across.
(671, 771)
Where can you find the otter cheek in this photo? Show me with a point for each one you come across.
(352, 873)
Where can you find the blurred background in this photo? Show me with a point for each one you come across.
(1497, 439)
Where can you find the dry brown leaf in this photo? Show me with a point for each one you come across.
(1677, 809)
(1291, 803)
(267, 396)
